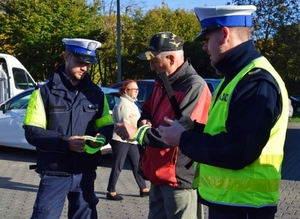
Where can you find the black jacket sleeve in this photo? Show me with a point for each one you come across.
(46, 139)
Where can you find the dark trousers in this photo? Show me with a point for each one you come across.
(88, 187)
(120, 151)
(53, 191)
(230, 212)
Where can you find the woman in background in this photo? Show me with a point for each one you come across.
(125, 111)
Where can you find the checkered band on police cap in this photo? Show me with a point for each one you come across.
(161, 42)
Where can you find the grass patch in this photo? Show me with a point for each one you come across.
(296, 117)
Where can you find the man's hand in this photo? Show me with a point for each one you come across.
(125, 131)
(170, 135)
(76, 144)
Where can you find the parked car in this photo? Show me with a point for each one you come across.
(295, 102)
(12, 113)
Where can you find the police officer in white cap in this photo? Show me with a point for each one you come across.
(239, 151)
(60, 116)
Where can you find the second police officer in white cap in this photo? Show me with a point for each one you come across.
(239, 151)
(59, 116)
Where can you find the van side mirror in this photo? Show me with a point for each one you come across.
(3, 108)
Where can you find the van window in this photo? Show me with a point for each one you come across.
(20, 101)
(22, 79)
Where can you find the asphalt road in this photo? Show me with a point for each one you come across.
(18, 185)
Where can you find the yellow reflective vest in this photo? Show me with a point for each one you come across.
(257, 184)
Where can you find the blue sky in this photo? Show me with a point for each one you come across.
(186, 4)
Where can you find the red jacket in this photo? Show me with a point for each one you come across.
(161, 163)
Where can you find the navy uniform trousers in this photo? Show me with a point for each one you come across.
(78, 188)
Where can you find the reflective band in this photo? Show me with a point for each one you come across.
(106, 118)
(104, 121)
(139, 135)
(92, 150)
(100, 140)
(241, 184)
(35, 112)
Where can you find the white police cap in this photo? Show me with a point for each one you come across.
(83, 49)
(215, 17)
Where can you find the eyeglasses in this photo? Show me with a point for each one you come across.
(133, 89)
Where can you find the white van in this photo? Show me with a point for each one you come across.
(14, 78)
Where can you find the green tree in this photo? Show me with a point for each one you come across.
(270, 15)
(286, 55)
(141, 27)
(34, 29)
(276, 29)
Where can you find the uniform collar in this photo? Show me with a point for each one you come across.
(237, 59)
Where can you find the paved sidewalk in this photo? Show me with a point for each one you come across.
(18, 185)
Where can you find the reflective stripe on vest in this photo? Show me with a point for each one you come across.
(257, 184)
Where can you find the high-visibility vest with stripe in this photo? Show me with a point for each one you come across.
(257, 184)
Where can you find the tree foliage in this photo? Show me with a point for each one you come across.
(34, 30)
(275, 31)
(270, 15)
(286, 55)
(141, 28)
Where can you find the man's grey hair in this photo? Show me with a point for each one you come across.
(178, 54)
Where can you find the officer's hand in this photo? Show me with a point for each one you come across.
(76, 144)
(186, 122)
(101, 141)
(145, 122)
(171, 134)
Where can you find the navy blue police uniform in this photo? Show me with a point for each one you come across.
(58, 110)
